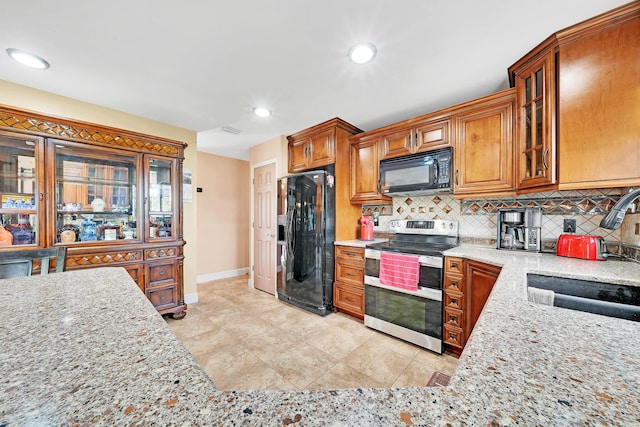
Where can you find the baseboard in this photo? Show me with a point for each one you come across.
(222, 275)
(191, 298)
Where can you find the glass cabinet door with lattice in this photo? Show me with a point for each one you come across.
(535, 95)
(161, 174)
(21, 192)
(95, 194)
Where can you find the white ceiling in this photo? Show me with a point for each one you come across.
(203, 64)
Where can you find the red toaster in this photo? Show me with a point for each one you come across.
(581, 246)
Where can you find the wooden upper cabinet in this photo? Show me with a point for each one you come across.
(534, 80)
(483, 153)
(298, 154)
(397, 143)
(599, 101)
(312, 148)
(577, 120)
(322, 148)
(422, 135)
(365, 170)
(433, 134)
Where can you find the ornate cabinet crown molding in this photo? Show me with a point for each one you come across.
(71, 130)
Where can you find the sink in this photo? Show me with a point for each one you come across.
(607, 299)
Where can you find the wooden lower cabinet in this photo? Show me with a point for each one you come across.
(348, 288)
(467, 285)
(136, 272)
(157, 271)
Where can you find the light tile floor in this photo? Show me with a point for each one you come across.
(246, 339)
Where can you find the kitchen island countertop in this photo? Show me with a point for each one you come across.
(67, 347)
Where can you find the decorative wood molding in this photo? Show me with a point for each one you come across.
(103, 258)
(161, 253)
(70, 130)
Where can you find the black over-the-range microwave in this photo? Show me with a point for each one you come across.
(417, 174)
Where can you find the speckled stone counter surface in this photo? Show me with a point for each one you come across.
(117, 362)
(359, 243)
(87, 348)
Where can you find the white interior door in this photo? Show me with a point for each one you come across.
(264, 228)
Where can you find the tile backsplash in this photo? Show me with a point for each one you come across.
(477, 217)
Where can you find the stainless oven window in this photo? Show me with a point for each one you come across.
(430, 277)
(422, 315)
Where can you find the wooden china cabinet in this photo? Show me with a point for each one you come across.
(111, 196)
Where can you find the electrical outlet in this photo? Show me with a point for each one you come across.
(569, 226)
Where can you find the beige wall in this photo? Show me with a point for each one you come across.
(275, 148)
(35, 100)
(223, 217)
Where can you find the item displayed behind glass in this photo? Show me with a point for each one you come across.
(18, 191)
(99, 189)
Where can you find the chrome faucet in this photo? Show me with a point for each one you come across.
(614, 218)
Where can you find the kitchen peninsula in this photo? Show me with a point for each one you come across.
(72, 357)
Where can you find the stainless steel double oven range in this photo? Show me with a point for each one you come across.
(414, 316)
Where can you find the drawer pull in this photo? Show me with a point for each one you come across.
(349, 299)
(163, 271)
(350, 274)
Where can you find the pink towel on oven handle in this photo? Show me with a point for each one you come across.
(400, 271)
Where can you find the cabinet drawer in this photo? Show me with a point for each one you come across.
(350, 274)
(162, 273)
(453, 317)
(349, 253)
(453, 265)
(453, 336)
(454, 282)
(136, 273)
(348, 298)
(163, 298)
(453, 300)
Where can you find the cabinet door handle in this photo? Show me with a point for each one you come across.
(544, 159)
(41, 197)
(457, 174)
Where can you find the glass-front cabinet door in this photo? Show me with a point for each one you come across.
(161, 176)
(21, 197)
(95, 194)
(536, 123)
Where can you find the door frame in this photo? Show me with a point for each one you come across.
(252, 221)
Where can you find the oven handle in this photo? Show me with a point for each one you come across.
(428, 293)
(424, 260)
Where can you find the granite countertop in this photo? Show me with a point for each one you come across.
(359, 243)
(524, 364)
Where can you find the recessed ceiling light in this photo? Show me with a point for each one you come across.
(28, 59)
(362, 53)
(261, 112)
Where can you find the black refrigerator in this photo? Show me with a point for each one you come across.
(306, 232)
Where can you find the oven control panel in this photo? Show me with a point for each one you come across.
(431, 227)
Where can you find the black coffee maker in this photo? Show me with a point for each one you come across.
(519, 229)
